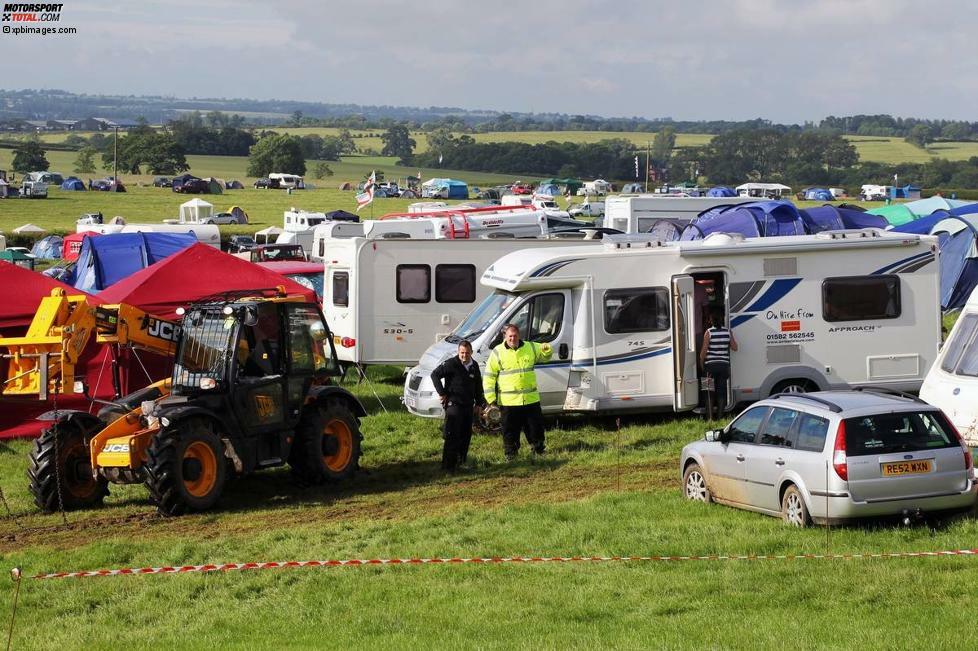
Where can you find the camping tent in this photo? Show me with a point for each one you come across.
(72, 183)
(755, 219)
(902, 213)
(104, 261)
(342, 216)
(18, 258)
(446, 188)
(194, 273)
(28, 229)
(818, 194)
(72, 243)
(957, 233)
(234, 184)
(266, 235)
(832, 218)
(239, 214)
(548, 190)
(721, 191)
(214, 186)
(196, 211)
(48, 248)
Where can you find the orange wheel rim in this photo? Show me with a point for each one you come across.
(341, 434)
(205, 481)
(78, 471)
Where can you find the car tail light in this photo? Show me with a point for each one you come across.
(348, 342)
(968, 461)
(839, 453)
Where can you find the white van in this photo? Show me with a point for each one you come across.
(588, 209)
(626, 319)
(952, 383)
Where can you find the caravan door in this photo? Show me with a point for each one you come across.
(686, 380)
(546, 318)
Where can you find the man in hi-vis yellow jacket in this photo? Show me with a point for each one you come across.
(510, 380)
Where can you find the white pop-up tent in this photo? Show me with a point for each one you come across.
(196, 211)
(28, 228)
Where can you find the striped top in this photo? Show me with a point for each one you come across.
(719, 348)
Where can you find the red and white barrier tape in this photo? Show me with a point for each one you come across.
(495, 560)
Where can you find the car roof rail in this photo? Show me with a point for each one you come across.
(889, 392)
(834, 408)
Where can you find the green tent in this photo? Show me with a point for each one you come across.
(573, 185)
(18, 258)
(897, 214)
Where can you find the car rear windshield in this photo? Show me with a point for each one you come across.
(899, 432)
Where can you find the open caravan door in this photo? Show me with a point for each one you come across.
(686, 381)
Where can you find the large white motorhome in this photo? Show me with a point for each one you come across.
(459, 224)
(205, 233)
(388, 300)
(952, 383)
(626, 319)
(637, 213)
(298, 226)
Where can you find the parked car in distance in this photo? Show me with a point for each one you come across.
(108, 185)
(240, 243)
(262, 184)
(162, 182)
(193, 186)
(224, 218)
(832, 456)
(277, 252)
(588, 209)
(308, 274)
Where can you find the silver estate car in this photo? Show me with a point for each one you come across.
(831, 456)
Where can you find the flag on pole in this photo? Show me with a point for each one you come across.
(367, 196)
(636, 167)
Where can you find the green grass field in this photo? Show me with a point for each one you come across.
(870, 148)
(598, 492)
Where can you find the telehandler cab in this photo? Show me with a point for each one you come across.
(250, 389)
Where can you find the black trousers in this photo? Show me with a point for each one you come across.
(527, 418)
(458, 435)
(720, 372)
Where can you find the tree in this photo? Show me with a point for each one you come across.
(920, 135)
(296, 119)
(398, 142)
(321, 170)
(347, 146)
(85, 163)
(276, 153)
(159, 152)
(29, 157)
(662, 146)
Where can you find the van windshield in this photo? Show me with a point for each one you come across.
(482, 317)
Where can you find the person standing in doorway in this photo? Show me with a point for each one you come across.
(718, 341)
(459, 383)
(511, 380)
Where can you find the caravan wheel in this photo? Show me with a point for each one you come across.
(794, 385)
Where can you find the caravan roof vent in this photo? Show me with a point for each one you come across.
(723, 239)
(631, 241)
(853, 234)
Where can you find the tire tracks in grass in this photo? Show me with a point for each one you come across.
(381, 495)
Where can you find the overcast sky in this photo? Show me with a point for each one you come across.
(787, 61)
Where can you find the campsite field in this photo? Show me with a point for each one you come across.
(598, 492)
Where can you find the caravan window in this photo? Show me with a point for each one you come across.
(455, 283)
(413, 283)
(858, 298)
(341, 288)
(644, 309)
(962, 336)
(539, 319)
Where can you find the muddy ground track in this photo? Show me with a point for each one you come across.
(374, 497)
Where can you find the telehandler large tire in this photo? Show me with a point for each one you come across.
(185, 468)
(327, 443)
(60, 470)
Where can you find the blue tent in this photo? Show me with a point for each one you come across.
(549, 190)
(456, 189)
(818, 194)
(721, 191)
(833, 218)
(72, 183)
(667, 230)
(48, 248)
(107, 259)
(755, 219)
(957, 233)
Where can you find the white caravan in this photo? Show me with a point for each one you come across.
(637, 213)
(298, 226)
(952, 383)
(287, 181)
(460, 224)
(205, 233)
(388, 300)
(626, 319)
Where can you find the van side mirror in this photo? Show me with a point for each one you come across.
(715, 436)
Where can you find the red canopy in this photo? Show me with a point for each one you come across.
(21, 291)
(192, 274)
(71, 244)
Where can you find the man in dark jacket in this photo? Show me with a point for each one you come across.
(459, 383)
